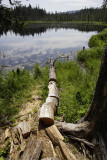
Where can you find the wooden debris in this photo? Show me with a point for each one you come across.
(47, 147)
(7, 133)
(54, 134)
(32, 150)
(14, 138)
(12, 147)
(59, 153)
(68, 155)
(47, 113)
(25, 128)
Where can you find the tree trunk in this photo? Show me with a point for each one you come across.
(96, 118)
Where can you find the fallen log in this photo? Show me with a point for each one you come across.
(52, 74)
(66, 152)
(47, 113)
(32, 150)
(53, 90)
(54, 134)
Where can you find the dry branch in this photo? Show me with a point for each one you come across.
(82, 141)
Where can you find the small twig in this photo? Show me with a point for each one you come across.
(83, 141)
(84, 150)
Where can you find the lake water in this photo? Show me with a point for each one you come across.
(25, 51)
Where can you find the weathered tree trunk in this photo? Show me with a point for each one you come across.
(96, 118)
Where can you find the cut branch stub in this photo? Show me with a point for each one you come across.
(53, 90)
(47, 113)
(52, 74)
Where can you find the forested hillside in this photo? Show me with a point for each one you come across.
(34, 14)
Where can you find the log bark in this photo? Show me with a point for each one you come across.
(53, 100)
(32, 150)
(47, 113)
(25, 128)
(54, 134)
(53, 90)
(68, 155)
(52, 74)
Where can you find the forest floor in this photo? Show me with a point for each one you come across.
(29, 112)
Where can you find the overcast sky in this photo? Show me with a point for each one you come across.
(62, 5)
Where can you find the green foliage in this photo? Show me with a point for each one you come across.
(76, 91)
(5, 151)
(14, 88)
(87, 55)
(99, 40)
(37, 71)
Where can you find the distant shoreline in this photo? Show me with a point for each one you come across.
(70, 22)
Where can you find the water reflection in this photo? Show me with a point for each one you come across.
(37, 43)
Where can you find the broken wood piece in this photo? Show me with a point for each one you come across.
(53, 90)
(14, 138)
(32, 150)
(20, 134)
(25, 128)
(51, 158)
(67, 153)
(47, 113)
(54, 134)
(7, 133)
(12, 146)
(52, 74)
